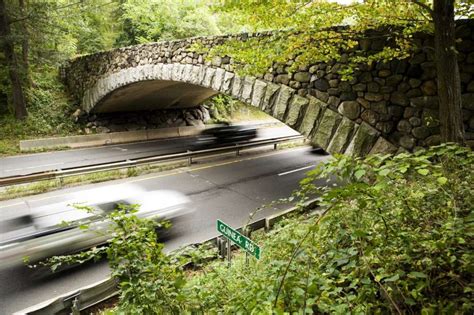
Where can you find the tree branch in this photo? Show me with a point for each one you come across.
(20, 19)
(424, 6)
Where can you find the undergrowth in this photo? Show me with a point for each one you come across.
(49, 113)
(226, 109)
(396, 235)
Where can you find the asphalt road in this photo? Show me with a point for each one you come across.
(33, 163)
(225, 189)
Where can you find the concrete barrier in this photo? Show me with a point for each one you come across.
(120, 137)
(106, 138)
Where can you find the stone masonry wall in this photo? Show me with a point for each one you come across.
(131, 121)
(386, 107)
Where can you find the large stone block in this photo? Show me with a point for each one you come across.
(258, 93)
(226, 86)
(425, 101)
(237, 87)
(297, 105)
(363, 141)
(281, 102)
(247, 88)
(187, 73)
(342, 136)
(210, 72)
(327, 126)
(176, 75)
(195, 75)
(350, 109)
(167, 71)
(311, 116)
(271, 93)
(467, 101)
(382, 146)
(202, 75)
(218, 79)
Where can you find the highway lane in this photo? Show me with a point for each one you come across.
(32, 163)
(226, 189)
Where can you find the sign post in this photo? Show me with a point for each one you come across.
(242, 241)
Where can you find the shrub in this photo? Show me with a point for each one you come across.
(396, 237)
(149, 281)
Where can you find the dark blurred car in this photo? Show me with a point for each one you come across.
(39, 233)
(225, 134)
(318, 150)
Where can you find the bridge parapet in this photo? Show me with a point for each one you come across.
(385, 108)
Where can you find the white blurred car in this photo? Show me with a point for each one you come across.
(42, 232)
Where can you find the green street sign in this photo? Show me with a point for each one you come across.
(243, 242)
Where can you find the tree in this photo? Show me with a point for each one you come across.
(153, 20)
(449, 82)
(18, 97)
(314, 22)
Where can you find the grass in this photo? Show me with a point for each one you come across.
(291, 144)
(245, 112)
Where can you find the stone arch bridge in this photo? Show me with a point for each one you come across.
(385, 108)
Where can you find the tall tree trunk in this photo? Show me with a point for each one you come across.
(18, 97)
(25, 44)
(449, 82)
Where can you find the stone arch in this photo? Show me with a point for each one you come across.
(386, 107)
(310, 116)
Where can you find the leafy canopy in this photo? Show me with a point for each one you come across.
(320, 31)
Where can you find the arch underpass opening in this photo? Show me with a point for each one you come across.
(149, 105)
(153, 95)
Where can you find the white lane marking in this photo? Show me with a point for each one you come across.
(30, 167)
(296, 170)
(179, 171)
(13, 204)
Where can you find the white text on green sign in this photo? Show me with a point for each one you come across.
(239, 239)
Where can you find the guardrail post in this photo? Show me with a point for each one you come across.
(190, 159)
(238, 150)
(75, 308)
(221, 247)
(60, 180)
(246, 231)
(229, 252)
(275, 146)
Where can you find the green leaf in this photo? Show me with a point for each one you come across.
(417, 274)
(423, 171)
(359, 173)
(442, 180)
(365, 281)
(392, 278)
(384, 172)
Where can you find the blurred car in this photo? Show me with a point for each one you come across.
(225, 134)
(41, 232)
(316, 149)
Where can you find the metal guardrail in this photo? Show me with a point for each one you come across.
(79, 300)
(189, 155)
